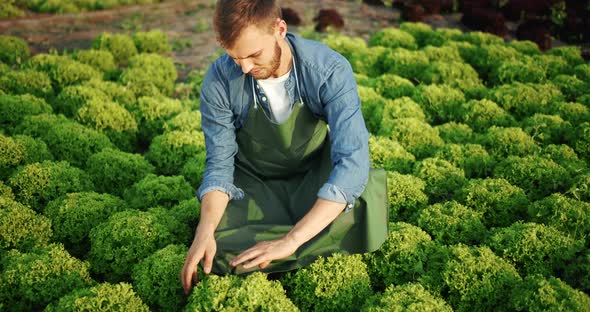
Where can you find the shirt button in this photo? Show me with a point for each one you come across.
(264, 99)
(257, 87)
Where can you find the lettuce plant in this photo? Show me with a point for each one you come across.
(14, 108)
(121, 46)
(101, 60)
(524, 100)
(372, 105)
(472, 158)
(150, 68)
(552, 64)
(193, 169)
(502, 142)
(538, 293)
(170, 151)
(455, 133)
(440, 102)
(152, 113)
(73, 216)
(388, 154)
(581, 140)
(405, 195)
(21, 228)
(415, 135)
(153, 190)
(523, 70)
(156, 278)
(405, 63)
(102, 297)
(399, 260)
(153, 41)
(407, 297)
(66, 139)
(403, 107)
(536, 175)
(580, 190)
(573, 112)
(568, 215)
(572, 54)
(393, 86)
(482, 114)
(473, 278)
(37, 184)
(186, 121)
(252, 293)
(330, 284)
(570, 86)
(114, 171)
(526, 47)
(27, 81)
(13, 50)
(72, 98)
(423, 33)
(547, 129)
(125, 238)
(534, 248)
(451, 223)
(441, 177)
(392, 37)
(31, 280)
(500, 202)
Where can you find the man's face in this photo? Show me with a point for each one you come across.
(257, 52)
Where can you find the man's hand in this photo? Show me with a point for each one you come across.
(203, 247)
(319, 217)
(264, 252)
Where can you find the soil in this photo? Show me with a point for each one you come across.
(188, 24)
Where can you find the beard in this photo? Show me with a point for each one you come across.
(270, 69)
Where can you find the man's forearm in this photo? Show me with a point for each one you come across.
(318, 218)
(212, 208)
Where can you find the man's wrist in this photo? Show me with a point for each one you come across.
(205, 228)
(294, 238)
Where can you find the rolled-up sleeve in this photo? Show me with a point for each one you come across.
(217, 121)
(349, 137)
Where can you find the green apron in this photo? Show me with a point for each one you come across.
(280, 168)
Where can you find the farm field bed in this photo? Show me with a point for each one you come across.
(486, 144)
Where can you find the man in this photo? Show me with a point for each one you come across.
(277, 177)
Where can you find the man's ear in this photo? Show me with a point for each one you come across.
(281, 27)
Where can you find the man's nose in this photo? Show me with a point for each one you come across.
(246, 65)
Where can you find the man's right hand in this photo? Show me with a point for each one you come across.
(202, 248)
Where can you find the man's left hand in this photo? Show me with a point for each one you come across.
(263, 253)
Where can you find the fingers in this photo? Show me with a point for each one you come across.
(187, 277)
(189, 271)
(263, 265)
(256, 262)
(246, 255)
(208, 261)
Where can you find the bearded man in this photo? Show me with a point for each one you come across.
(287, 176)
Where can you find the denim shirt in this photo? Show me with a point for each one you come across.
(328, 89)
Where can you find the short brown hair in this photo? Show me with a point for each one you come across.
(232, 16)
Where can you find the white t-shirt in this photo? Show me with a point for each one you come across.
(275, 94)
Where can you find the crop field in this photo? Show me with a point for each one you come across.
(486, 144)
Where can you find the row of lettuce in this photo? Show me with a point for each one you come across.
(18, 8)
(486, 145)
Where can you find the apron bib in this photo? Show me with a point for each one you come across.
(280, 168)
